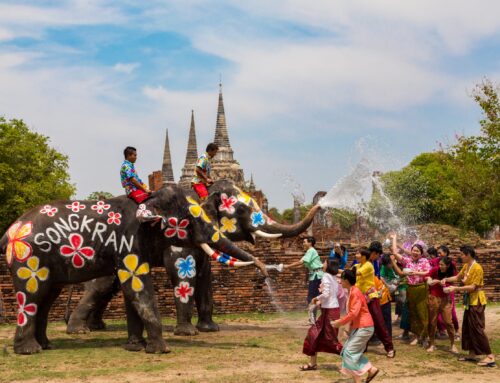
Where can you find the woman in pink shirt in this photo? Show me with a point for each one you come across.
(354, 363)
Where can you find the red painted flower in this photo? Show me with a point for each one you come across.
(177, 228)
(24, 309)
(100, 206)
(114, 218)
(76, 251)
(227, 203)
(16, 247)
(49, 210)
(184, 291)
(76, 206)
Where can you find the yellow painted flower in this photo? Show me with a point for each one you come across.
(218, 234)
(131, 263)
(228, 225)
(16, 247)
(31, 273)
(196, 210)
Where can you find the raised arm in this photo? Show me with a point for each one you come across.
(395, 251)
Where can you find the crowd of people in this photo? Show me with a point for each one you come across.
(422, 283)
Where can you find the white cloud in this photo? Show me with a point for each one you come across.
(126, 68)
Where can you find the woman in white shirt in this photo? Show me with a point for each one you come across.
(322, 337)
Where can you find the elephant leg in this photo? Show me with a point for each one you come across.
(135, 328)
(95, 319)
(203, 295)
(42, 318)
(181, 268)
(95, 290)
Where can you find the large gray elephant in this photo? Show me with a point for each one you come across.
(239, 218)
(70, 242)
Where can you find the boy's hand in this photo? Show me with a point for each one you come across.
(210, 181)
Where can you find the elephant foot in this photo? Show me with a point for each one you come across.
(27, 347)
(185, 329)
(46, 345)
(77, 328)
(135, 345)
(207, 326)
(96, 325)
(157, 347)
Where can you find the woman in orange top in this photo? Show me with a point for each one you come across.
(354, 363)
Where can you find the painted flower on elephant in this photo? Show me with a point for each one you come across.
(245, 198)
(76, 252)
(196, 210)
(16, 247)
(217, 234)
(142, 211)
(114, 218)
(24, 309)
(32, 273)
(177, 228)
(76, 206)
(133, 270)
(49, 210)
(186, 267)
(257, 218)
(184, 291)
(228, 225)
(100, 206)
(227, 203)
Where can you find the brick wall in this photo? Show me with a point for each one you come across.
(155, 180)
(239, 290)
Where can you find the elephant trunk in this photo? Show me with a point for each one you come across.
(291, 230)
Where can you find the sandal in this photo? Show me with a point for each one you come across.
(487, 363)
(370, 378)
(309, 367)
(466, 359)
(391, 354)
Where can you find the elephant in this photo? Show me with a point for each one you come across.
(70, 242)
(239, 218)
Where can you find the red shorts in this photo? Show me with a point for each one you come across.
(201, 190)
(138, 196)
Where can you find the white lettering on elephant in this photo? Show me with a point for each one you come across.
(85, 224)
(112, 239)
(53, 235)
(98, 230)
(62, 226)
(124, 242)
(39, 242)
(73, 224)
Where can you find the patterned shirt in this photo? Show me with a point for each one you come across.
(313, 263)
(127, 172)
(365, 279)
(422, 264)
(474, 276)
(204, 164)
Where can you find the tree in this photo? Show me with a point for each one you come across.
(32, 172)
(98, 195)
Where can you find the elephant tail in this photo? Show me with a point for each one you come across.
(67, 312)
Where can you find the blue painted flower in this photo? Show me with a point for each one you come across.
(186, 267)
(257, 218)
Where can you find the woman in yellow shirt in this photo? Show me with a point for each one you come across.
(473, 337)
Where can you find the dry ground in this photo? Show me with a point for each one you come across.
(249, 348)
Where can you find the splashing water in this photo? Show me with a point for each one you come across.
(272, 294)
(278, 268)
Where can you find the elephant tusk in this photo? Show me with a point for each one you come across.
(223, 258)
(263, 234)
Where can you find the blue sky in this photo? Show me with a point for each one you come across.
(309, 87)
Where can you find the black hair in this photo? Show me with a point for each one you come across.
(376, 246)
(432, 252)
(332, 266)
(386, 259)
(450, 270)
(311, 240)
(419, 247)
(349, 276)
(212, 146)
(444, 249)
(364, 252)
(128, 150)
(468, 250)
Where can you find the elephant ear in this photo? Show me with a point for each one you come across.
(145, 214)
(211, 204)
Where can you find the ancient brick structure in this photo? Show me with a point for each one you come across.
(155, 180)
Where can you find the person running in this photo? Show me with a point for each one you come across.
(133, 185)
(365, 281)
(312, 262)
(354, 363)
(202, 179)
(473, 337)
(322, 337)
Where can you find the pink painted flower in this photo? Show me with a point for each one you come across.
(177, 228)
(49, 210)
(100, 206)
(24, 309)
(76, 206)
(227, 203)
(184, 291)
(75, 250)
(114, 218)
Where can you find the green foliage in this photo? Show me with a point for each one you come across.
(98, 195)
(458, 186)
(32, 172)
(287, 215)
(344, 218)
(275, 214)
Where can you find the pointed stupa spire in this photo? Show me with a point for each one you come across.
(251, 185)
(191, 157)
(221, 134)
(167, 172)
